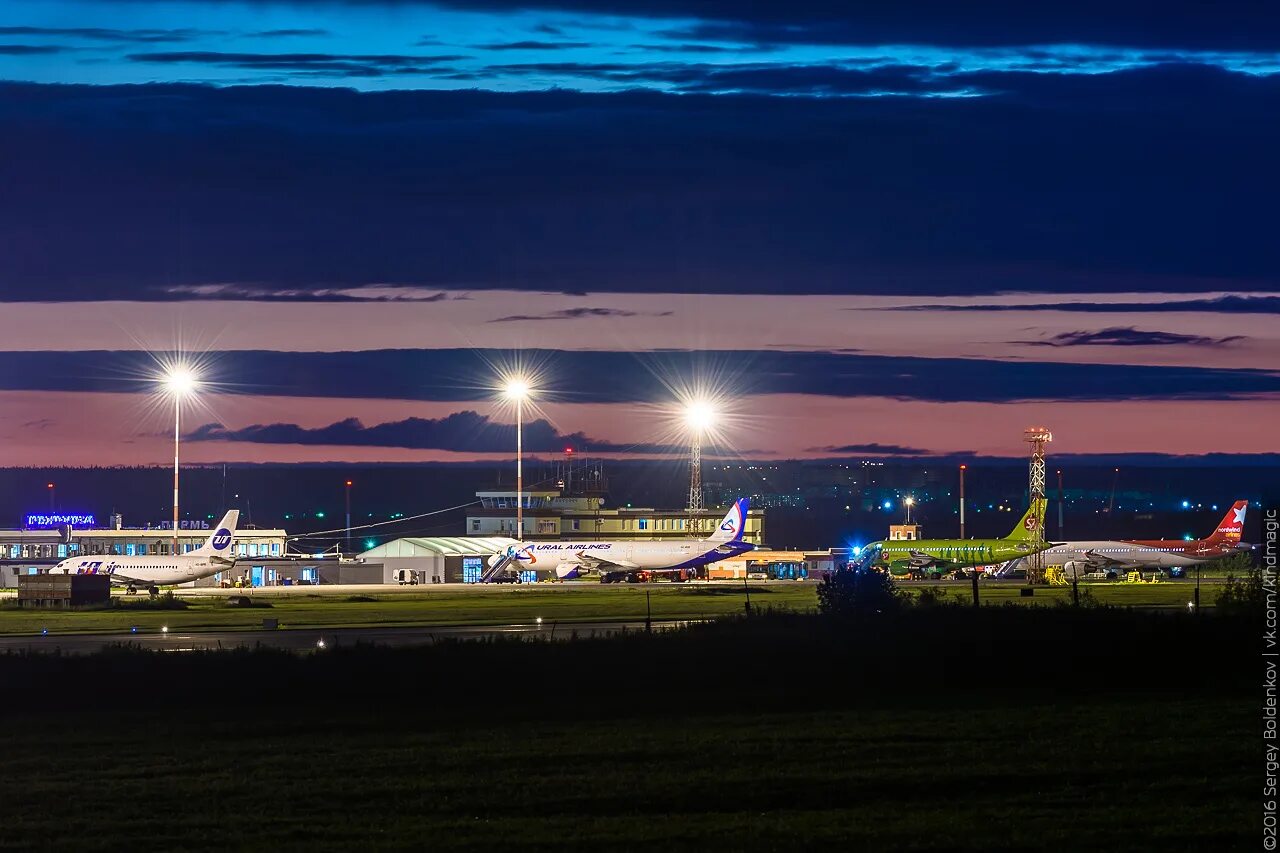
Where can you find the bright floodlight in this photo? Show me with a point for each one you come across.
(910, 501)
(180, 381)
(516, 388)
(700, 415)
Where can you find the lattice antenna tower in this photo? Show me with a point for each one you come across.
(1037, 437)
(695, 485)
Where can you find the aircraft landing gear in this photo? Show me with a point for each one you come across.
(154, 590)
(130, 590)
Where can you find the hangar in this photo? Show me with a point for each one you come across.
(436, 559)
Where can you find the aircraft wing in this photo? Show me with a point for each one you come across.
(594, 563)
(921, 560)
(118, 579)
(1102, 559)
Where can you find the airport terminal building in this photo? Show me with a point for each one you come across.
(265, 558)
(47, 540)
(551, 514)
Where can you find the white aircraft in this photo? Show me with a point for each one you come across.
(619, 558)
(215, 555)
(1115, 556)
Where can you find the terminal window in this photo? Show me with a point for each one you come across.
(472, 569)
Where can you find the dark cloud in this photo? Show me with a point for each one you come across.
(1216, 305)
(579, 314)
(693, 47)
(533, 45)
(871, 449)
(289, 33)
(319, 64)
(369, 293)
(143, 36)
(820, 80)
(593, 376)
(463, 432)
(1128, 336)
(756, 78)
(1086, 183)
(997, 23)
(1227, 25)
(29, 49)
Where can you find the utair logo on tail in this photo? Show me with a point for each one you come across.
(220, 540)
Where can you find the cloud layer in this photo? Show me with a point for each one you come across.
(1057, 180)
(1128, 336)
(461, 432)
(620, 377)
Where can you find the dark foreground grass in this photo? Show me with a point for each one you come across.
(506, 605)
(1134, 772)
(999, 729)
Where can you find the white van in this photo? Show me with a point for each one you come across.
(406, 577)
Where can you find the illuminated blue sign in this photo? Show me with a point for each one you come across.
(39, 520)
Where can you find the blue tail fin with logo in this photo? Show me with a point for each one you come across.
(219, 542)
(734, 524)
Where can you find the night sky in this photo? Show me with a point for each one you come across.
(899, 228)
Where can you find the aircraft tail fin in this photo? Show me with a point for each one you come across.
(1031, 522)
(734, 524)
(219, 542)
(1231, 528)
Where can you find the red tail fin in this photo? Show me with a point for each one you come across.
(1231, 528)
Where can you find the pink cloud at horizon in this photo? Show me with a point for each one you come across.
(651, 321)
(80, 429)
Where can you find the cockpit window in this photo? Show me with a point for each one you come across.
(866, 557)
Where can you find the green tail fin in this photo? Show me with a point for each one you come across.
(1031, 522)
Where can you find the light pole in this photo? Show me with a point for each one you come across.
(700, 416)
(963, 468)
(52, 499)
(909, 503)
(180, 382)
(517, 389)
(348, 516)
(1059, 503)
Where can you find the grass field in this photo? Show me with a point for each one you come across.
(1152, 771)
(924, 729)
(506, 605)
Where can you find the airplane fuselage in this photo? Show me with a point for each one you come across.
(565, 557)
(144, 571)
(1099, 555)
(904, 555)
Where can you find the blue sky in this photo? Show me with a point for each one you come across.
(396, 45)
(873, 217)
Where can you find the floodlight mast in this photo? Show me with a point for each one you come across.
(180, 382)
(517, 389)
(699, 416)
